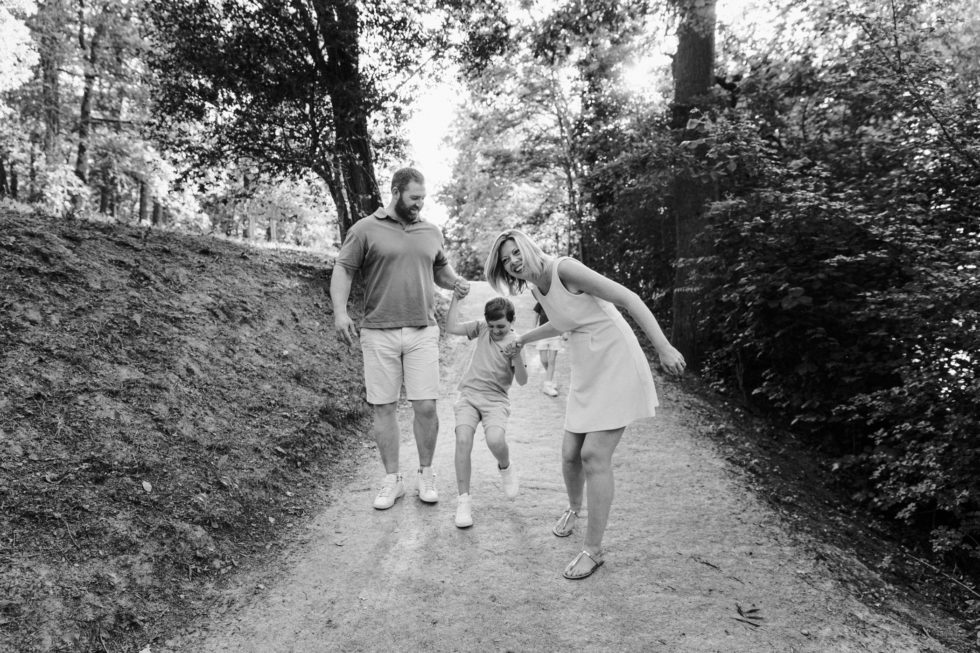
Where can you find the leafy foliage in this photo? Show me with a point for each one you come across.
(848, 245)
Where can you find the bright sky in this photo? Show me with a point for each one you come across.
(436, 108)
(429, 153)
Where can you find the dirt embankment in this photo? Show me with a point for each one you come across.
(170, 407)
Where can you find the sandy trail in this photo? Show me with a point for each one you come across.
(686, 547)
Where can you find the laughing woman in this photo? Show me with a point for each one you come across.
(610, 385)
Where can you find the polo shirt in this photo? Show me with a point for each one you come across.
(398, 263)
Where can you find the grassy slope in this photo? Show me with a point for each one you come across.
(168, 405)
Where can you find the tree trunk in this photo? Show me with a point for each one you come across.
(107, 190)
(693, 71)
(4, 187)
(157, 215)
(145, 200)
(85, 111)
(354, 160)
(50, 21)
(330, 175)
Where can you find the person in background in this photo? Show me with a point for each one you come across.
(401, 258)
(483, 395)
(610, 384)
(548, 349)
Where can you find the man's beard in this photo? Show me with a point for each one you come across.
(403, 212)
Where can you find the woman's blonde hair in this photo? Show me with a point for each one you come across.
(534, 262)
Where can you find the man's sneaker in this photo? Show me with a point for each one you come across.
(464, 511)
(391, 489)
(427, 486)
(509, 478)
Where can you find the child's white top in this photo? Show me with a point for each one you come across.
(489, 373)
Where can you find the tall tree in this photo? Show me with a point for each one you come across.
(693, 70)
(285, 84)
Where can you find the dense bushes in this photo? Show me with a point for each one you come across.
(842, 292)
(848, 248)
(859, 330)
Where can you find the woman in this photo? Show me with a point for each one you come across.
(610, 385)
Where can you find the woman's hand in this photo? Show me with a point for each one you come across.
(672, 360)
(513, 347)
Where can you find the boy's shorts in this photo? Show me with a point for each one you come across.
(470, 411)
(408, 355)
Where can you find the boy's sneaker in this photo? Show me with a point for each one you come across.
(509, 481)
(427, 485)
(391, 489)
(464, 511)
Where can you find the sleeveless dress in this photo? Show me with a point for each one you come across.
(611, 384)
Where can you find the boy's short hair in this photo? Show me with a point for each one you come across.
(499, 307)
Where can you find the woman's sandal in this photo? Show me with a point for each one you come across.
(597, 562)
(562, 529)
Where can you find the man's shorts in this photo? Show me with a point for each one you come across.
(469, 411)
(405, 355)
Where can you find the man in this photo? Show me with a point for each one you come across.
(401, 258)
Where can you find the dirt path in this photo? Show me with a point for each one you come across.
(686, 548)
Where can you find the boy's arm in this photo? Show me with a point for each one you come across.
(452, 318)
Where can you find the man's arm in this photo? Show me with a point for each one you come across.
(446, 277)
(340, 284)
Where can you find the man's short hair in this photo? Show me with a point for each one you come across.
(499, 307)
(403, 177)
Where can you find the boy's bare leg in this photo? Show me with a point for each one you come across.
(498, 446)
(464, 447)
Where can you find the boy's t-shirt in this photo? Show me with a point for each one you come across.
(489, 373)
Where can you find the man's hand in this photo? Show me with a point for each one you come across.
(461, 288)
(344, 326)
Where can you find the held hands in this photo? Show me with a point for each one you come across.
(672, 360)
(513, 348)
(344, 326)
(461, 288)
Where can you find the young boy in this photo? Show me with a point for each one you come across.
(483, 395)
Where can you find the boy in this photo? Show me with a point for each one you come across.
(483, 395)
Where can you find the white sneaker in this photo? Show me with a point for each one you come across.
(509, 481)
(464, 511)
(427, 486)
(391, 489)
(550, 389)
